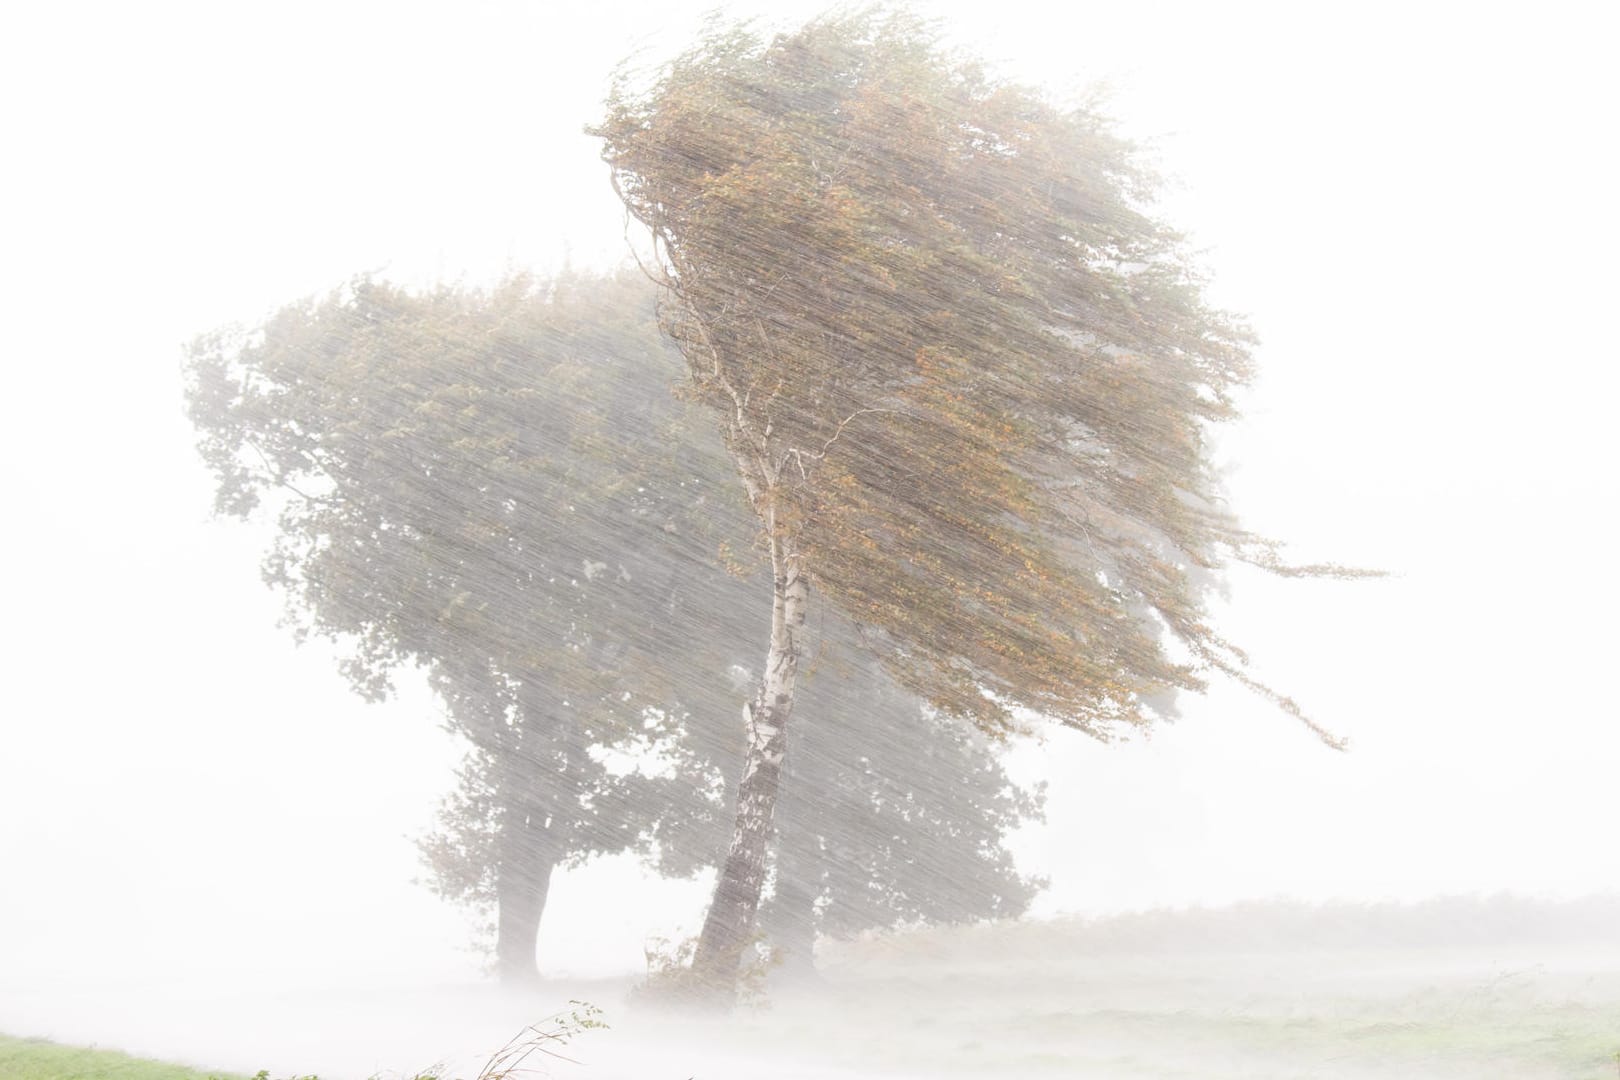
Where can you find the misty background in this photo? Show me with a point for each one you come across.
(1414, 208)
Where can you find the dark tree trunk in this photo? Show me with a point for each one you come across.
(728, 931)
(523, 880)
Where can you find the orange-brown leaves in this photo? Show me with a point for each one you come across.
(972, 372)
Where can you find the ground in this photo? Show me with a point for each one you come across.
(1161, 997)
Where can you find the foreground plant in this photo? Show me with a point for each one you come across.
(508, 1063)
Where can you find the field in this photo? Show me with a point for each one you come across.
(35, 1059)
(1470, 990)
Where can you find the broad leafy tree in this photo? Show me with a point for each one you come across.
(480, 484)
(965, 375)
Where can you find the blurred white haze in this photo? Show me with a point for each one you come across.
(1415, 206)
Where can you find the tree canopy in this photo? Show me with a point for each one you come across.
(479, 484)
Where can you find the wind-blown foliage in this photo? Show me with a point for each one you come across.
(966, 377)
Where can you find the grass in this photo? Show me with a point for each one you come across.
(37, 1059)
(1512, 1038)
(40, 1059)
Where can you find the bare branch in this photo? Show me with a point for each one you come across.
(279, 477)
(1234, 669)
(845, 423)
(1266, 556)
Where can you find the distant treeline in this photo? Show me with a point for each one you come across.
(1439, 923)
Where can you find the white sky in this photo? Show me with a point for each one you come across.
(1416, 208)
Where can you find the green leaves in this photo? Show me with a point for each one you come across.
(446, 468)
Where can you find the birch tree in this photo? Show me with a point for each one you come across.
(965, 375)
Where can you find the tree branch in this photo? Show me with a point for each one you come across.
(279, 477)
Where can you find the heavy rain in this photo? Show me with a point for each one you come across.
(645, 541)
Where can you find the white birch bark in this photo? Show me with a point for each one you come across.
(729, 928)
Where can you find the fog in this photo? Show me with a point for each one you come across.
(209, 845)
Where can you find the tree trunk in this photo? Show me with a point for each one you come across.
(522, 883)
(729, 928)
(791, 925)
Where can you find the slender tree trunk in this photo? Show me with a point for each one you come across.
(729, 928)
(522, 883)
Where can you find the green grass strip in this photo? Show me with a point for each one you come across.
(37, 1059)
